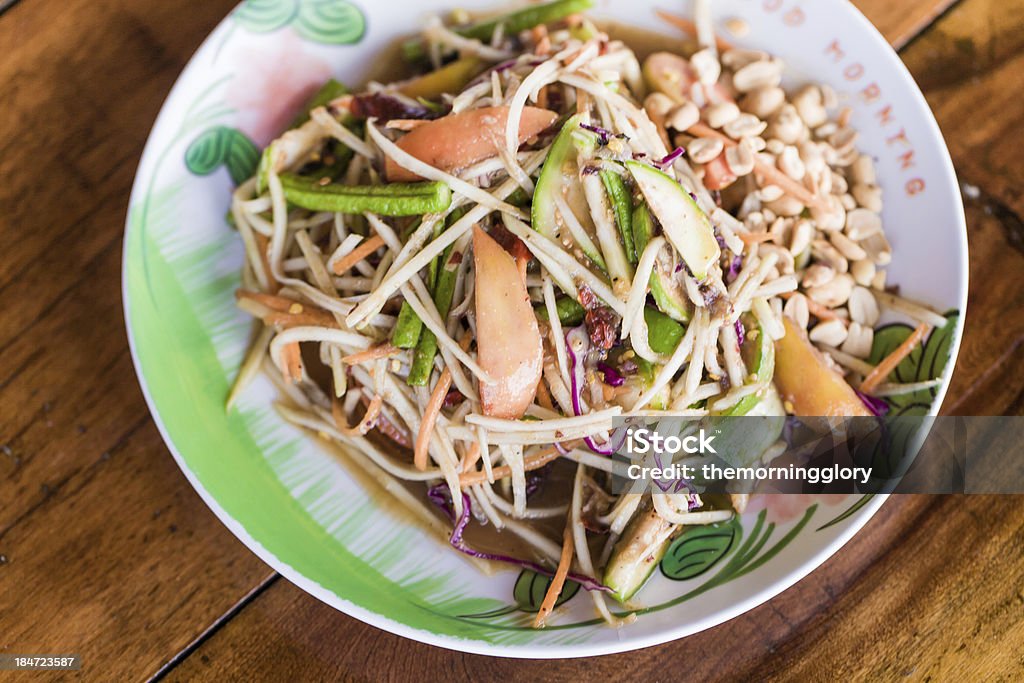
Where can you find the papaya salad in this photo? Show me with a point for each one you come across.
(464, 276)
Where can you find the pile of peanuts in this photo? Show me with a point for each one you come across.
(836, 250)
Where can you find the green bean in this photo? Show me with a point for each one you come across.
(395, 199)
(663, 333)
(622, 205)
(331, 90)
(512, 24)
(426, 349)
(442, 281)
(407, 329)
(568, 310)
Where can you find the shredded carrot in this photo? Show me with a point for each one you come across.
(688, 27)
(363, 426)
(817, 310)
(558, 580)
(471, 456)
(262, 242)
(433, 409)
(543, 395)
(702, 130)
(755, 237)
(388, 428)
(791, 187)
(365, 248)
(292, 356)
(282, 304)
(582, 100)
(405, 124)
(531, 462)
(768, 172)
(542, 97)
(430, 414)
(286, 320)
(889, 363)
(659, 122)
(542, 43)
(288, 312)
(372, 353)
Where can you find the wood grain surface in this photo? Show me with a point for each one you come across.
(106, 551)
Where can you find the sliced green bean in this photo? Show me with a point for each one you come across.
(568, 310)
(426, 348)
(407, 329)
(331, 90)
(395, 199)
(442, 281)
(512, 24)
(622, 205)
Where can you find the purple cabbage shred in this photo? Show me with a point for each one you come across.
(441, 496)
(603, 133)
(612, 377)
(877, 406)
(671, 157)
(734, 268)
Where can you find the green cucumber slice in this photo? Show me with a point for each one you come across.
(685, 225)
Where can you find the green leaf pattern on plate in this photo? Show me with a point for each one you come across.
(531, 588)
(330, 22)
(927, 362)
(698, 549)
(223, 146)
(264, 16)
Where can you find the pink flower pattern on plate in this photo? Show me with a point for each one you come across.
(286, 77)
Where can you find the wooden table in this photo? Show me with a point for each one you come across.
(106, 551)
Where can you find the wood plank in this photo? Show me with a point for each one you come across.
(83, 105)
(65, 361)
(969, 67)
(121, 563)
(989, 377)
(929, 589)
(286, 633)
(901, 21)
(100, 534)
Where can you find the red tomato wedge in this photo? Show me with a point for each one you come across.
(509, 346)
(458, 140)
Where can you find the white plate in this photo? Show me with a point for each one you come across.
(295, 504)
